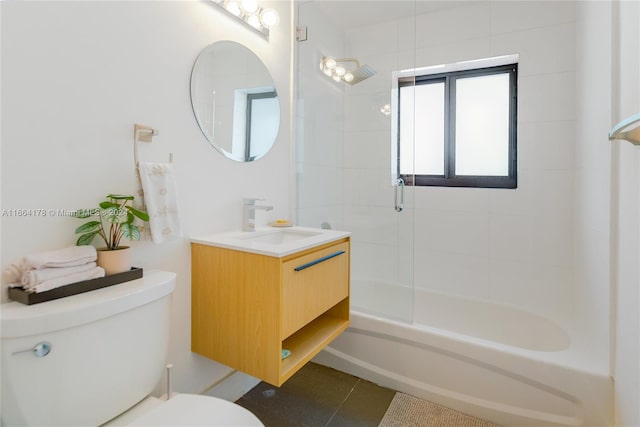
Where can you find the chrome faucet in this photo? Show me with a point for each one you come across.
(249, 213)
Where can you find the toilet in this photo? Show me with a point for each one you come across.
(94, 358)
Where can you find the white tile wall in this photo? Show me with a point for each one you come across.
(452, 273)
(362, 112)
(509, 16)
(514, 246)
(547, 97)
(540, 52)
(319, 124)
(367, 150)
(451, 25)
(547, 145)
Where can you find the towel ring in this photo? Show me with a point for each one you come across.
(144, 134)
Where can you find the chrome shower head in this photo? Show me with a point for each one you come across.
(347, 70)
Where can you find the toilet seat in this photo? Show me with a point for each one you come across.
(196, 410)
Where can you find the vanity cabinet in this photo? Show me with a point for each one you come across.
(247, 307)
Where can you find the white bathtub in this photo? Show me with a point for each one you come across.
(488, 360)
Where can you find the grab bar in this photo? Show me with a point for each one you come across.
(399, 184)
(318, 261)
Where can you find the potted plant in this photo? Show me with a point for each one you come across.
(115, 221)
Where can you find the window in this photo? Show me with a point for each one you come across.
(262, 123)
(458, 128)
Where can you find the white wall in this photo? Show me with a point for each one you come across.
(625, 212)
(593, 173)
(511, 246)
(76, 76)
(544, 246)
(319, 123)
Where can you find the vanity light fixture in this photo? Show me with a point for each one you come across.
(250, 13)
(346, 70)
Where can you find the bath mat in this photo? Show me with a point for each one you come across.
(409, 411)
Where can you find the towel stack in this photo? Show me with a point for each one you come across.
(44, 271)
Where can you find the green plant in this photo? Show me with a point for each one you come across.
(115, 221)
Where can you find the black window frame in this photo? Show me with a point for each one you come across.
(251, 97)
(449, 179)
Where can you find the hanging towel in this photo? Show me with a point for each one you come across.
(66, 257)
(32, 278)
(158, 184)
(47, 285)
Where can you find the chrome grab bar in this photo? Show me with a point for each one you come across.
(399, 185)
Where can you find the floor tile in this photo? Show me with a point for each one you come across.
(310, 398)
(365, 406)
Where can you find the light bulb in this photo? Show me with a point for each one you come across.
(249, 6)
(340, 71)
(233, 7)
(269, 17)
(348, 77)
(330, 63)
(328, 72)
(254, 21)
(337, 78)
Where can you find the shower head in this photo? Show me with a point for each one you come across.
(347, 70)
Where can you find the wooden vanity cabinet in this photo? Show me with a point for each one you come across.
(246, 307)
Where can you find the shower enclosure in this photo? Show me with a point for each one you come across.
(508, 245)
(454, 288)
(345, 56)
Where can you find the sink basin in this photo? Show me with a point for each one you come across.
(278, 237)
(271, 241)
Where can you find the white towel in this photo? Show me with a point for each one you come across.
(158, 184)
(65, 257)
(32, 278)
(47, 285)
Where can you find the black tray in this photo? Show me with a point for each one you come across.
(20, 295)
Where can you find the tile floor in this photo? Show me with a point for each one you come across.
(319, 396)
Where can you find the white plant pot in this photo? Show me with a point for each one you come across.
(114, 261)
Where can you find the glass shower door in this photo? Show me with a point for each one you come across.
(346, 139)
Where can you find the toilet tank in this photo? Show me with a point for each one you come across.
(108, 350)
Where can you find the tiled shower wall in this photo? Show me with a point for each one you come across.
(509, 246)
(318, 124)
(512, 246)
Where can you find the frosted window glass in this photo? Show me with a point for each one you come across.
(482, 125)
(406, 129)
(265, 120)
(423, 122)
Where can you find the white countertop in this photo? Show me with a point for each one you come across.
(272, 241)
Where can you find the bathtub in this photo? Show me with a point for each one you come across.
(488, 360)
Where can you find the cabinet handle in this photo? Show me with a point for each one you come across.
(318, 261)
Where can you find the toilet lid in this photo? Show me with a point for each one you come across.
(195, 410)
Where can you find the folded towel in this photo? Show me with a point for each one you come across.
(66, 257)
(158, 184)
(13, 274)
(32, 278)
(47, 285)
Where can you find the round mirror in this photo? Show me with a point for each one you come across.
(235, 101)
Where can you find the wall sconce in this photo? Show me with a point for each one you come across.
(250, 13)
(346, 70)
